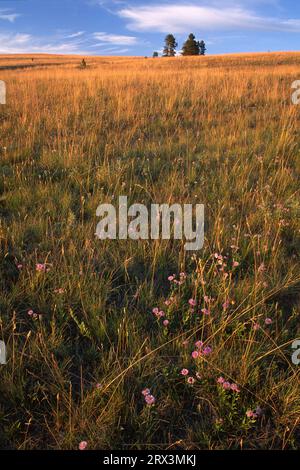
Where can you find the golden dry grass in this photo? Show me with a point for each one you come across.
(221, 131)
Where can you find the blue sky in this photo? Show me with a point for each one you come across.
(138, 27)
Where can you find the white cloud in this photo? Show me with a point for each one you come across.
(183, 18)
(75, 35)
(75, 43)
(106, 38)
(26, 44)
(6, 16)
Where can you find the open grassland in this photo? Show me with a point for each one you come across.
(215, 130)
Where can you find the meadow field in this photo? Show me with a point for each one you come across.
(141, 344)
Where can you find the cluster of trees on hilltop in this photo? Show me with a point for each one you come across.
(190, 47)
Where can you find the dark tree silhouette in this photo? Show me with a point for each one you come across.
(191, 46)
(170, 46)
(202, 47)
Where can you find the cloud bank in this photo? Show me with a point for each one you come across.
(183, 18)
(106, 38)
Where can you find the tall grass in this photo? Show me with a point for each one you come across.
(217, 130)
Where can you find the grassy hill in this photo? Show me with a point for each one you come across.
(77, 313)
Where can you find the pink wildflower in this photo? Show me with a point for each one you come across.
(227, 385)
(207, 351)
(146, 392)
(82, 445)
(195, 354)
(150, 400)
(192, 303)
(41, 267)
(268, 321)
(166, 323)
(191, 380)
(184, 372)
(205, 311)
(235, 388)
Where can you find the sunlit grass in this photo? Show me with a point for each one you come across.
(220, 131)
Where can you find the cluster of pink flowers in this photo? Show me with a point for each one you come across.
(221, 264)
(190, 379)
(201, 351)
(193, 303)
(268, 322)
(42, 267)
(254, 414)
(34, 315)
(227, 385)
(221, 260)
(180, 281)
(149, 399)
(160, 314)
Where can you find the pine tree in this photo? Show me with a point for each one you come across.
(202, 47)
(170, 46)
(191, 46)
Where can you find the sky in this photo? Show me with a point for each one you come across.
(138, 27)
